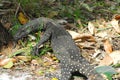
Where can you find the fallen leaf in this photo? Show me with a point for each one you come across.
(25, 50)
(102, 34)
(106, 70)
(8, 65)
(24, 58)
(115, 25)
(34, 64)
(117, 17)
(41, 72)
(22, 18)
(86, 37)
(100, 23)
(74, 34)
(31, 37)
(91, 28)
(83, 37)
(80, 23)
(107, 46)
(54, 79)
(6, 50)
(115, 55)
(106, 61)
(4, 62)
(7, 25)
(47, 63)
(86, 6)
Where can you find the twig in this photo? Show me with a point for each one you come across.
(20, 8)
(17, 9)
(7, 10)
(24, 12)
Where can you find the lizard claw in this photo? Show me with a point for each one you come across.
(35, 51)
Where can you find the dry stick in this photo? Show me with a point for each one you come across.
(1, 13)
(6, 2)
(17, 9)
(20, 8)
(24, 12)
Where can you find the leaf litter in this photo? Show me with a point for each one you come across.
(101, 37)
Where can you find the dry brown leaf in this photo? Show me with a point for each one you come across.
(107, 46)
(9, 49)
(34, 64)
(102, 34)
(91, 28)
(115, 25)
(22, 18)
(115, 55)
(83, 37)
(106, 61)
(79, 22)
(7, 60)
(101, 23)
(47, 63)
(85, 45)
(6, 50)
(74, 34)
(24, 58)
(117, 17)
(86, 37)
(7, 26)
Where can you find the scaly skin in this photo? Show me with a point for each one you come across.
(32, 26)
(67, 52)
(63, 46)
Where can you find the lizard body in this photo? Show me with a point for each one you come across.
(64, 47)
(67, 52)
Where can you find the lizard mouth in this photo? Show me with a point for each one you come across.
(19, 36)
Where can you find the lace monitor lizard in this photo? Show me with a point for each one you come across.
(65, 50)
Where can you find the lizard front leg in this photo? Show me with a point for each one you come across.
(43, 39)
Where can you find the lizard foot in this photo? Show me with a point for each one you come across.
(35, 51)
(52, 75)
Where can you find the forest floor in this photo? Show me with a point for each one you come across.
(99, 44)
(98, 40)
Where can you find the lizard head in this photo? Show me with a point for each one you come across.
(22, 32)
(19, 35)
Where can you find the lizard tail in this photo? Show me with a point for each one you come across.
(89, 71)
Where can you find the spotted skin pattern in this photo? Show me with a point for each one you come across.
(67, 52)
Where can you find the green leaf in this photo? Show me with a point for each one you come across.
(54, 79)
(25, 50)
(41, 72)
(106, 70)
(8, 65)
(116, 65)
(87, 7)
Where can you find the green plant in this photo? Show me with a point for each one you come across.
(45, 49)
(15, 28)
